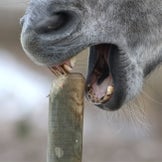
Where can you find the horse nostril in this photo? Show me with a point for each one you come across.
(53, 23)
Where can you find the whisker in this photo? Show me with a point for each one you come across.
(151, 98)
(132, 116)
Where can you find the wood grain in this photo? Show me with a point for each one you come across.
(66, 119)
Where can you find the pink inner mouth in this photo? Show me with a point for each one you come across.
(101, 90)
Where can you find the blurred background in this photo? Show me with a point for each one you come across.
(132, 134)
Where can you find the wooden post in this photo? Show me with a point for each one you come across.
(66, 119)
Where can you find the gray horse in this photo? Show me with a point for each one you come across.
(124, 36)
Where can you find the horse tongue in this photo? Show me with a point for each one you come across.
(102, 89)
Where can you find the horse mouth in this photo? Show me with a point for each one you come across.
(100, 86)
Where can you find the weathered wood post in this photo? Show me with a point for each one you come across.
(66, 119)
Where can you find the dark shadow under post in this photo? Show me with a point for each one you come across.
(66, 119)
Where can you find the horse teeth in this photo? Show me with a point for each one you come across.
(60, 70)
(89, 86)
(67, 68)
(72, 61)
(55, 71)
(110, 90)
(106, 97)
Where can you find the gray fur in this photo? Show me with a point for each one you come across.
(133, 25)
